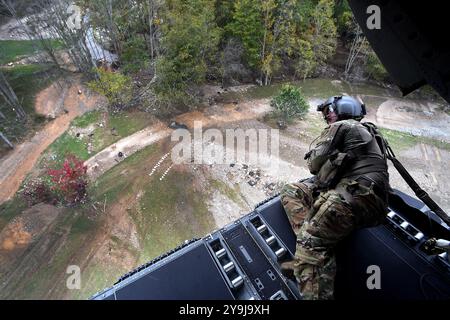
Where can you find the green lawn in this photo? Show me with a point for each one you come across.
(13, 50)
(87, 119)
(67, 240)
(68, 144)
(27, 80)
(125, 124)
(10, 209)
(114, 183)
(400, 141)
(168, 212)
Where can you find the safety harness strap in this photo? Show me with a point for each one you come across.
(419, 192)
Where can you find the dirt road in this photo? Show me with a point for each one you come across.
(109, 157)
(18, 163)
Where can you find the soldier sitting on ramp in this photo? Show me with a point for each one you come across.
(349, 191)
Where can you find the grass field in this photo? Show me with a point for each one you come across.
(13, 50)
(124, 124)
(401, 140)
(167, 213)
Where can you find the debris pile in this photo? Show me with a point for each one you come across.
(254, 177)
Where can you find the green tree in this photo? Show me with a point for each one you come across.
(116, 87)
(289, 103)
(247, 25)
(224, 11)
(134, 54)
(269, 31)
(324, 35)
(190, 43)
(269, 61)
(306, 61)
(344, 18)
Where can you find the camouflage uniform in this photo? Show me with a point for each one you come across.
(321, 217)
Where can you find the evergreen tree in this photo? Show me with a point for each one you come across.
(323, 38)
(190, 42)
(247, 26)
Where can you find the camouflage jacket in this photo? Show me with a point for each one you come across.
(348, 137)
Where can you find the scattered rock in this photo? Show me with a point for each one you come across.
(80, 92)
(252, 183)
(120, 154)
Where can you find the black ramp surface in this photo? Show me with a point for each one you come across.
(276, 217)
(404, 274)
(191, 276)
(254, 263)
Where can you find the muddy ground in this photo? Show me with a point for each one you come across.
(144, 204)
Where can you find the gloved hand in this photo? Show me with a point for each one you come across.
(287, 270)
(307, 155)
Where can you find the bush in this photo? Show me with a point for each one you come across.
(289, 103)
(116, 87)
(134, 55)
(37, 191)
(69, 183)
(66, 184)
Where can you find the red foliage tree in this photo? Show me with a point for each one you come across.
(70, 181)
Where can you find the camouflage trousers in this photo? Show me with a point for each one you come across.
(320, 220)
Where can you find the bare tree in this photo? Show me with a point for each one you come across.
(153, 7)
(103, 18)
(5, 139)
(33, 28)
(74, 39)
(358, 47)
(10, 97)
(52, 23)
